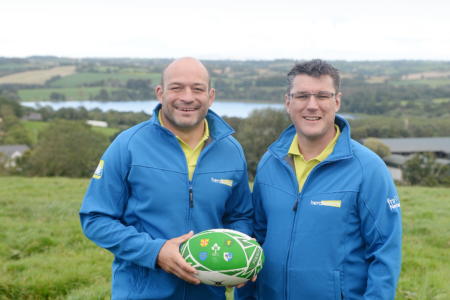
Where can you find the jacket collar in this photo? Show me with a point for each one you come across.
(218, 128)
(342, 150)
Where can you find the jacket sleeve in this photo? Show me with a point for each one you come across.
(239, 210)
(104, 205)
(381, 227)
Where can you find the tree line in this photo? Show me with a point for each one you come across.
(68, 147)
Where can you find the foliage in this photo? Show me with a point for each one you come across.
(258, 131)
(11, 129)
(66, 148)
(377, 146)
(44, 255)
(423, 169)
(395, 126)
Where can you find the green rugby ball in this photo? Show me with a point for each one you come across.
(223, 257)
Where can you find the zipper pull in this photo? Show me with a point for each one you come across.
(191, 197)
(295, 205)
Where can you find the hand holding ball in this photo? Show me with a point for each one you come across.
(223, 257)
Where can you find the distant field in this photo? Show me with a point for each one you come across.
(44, 255)
(35, 127)
(78, 79)
(435, 82)
(81, 93)
(38, 77)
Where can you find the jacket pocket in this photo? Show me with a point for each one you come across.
(337, 285)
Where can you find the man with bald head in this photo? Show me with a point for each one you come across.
(161, 181)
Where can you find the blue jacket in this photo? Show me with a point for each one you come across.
(140, 196)
(340, 237)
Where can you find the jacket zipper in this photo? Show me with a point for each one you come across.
(294, 208)
(191, 195)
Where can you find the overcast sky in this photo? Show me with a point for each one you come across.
(227, 29)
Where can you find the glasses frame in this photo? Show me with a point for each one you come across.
(309, 95)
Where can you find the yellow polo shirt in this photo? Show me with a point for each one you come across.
(303, 167)
(191, 154)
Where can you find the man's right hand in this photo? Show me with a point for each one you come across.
(171, 261)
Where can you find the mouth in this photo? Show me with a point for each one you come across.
(311, 118)
(187, 109)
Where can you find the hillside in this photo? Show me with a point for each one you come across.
(43, 254)
(371, 87)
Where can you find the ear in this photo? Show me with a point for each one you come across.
(287, 102)
(212, 96)
(338, 102)
(159, 92)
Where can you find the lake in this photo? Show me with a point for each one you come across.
(230, 109)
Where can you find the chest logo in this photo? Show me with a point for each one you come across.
(332, 203)
(227, 182)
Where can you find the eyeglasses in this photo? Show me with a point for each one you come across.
(321, 96)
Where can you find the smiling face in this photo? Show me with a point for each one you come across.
(313, 118)
(185, 95)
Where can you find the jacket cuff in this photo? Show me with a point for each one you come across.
(150, 259)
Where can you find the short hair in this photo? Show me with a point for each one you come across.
(165, 68)
(314, 68)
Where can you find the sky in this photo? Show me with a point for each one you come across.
(228, 29)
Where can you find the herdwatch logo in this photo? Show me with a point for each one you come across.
(99, 171)
(394, 203)
(332, 203)
(227, 182)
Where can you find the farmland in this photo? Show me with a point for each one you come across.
(38, 77)
(43, 254)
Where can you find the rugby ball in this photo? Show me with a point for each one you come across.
(223, 257)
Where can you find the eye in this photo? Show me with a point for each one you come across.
(301, 97)
(175, 88)
(199, 89)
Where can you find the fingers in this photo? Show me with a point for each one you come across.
(183, 238)
(243, 284)
(171, 261)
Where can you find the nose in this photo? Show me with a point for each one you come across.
(312, 103)
(187, 95)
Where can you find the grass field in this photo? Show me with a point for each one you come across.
(43, 254)
(37, 76)
(35, 127)
(432, 82)
(78, 79)
(76, 93)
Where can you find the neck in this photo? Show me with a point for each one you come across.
(311, 148)
(191, 136)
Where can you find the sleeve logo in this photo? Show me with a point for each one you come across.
(394, 203)
(99, 171)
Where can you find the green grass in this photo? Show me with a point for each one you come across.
(43, 94)
(106, 131)
(435, 82)
(35, 127)
(44, 255)
(79, 79)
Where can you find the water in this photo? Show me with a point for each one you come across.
(230, 109)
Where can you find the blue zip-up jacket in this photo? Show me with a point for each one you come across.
(140, 196)
(339, 238)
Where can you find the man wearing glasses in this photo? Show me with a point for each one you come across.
(326, 209)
